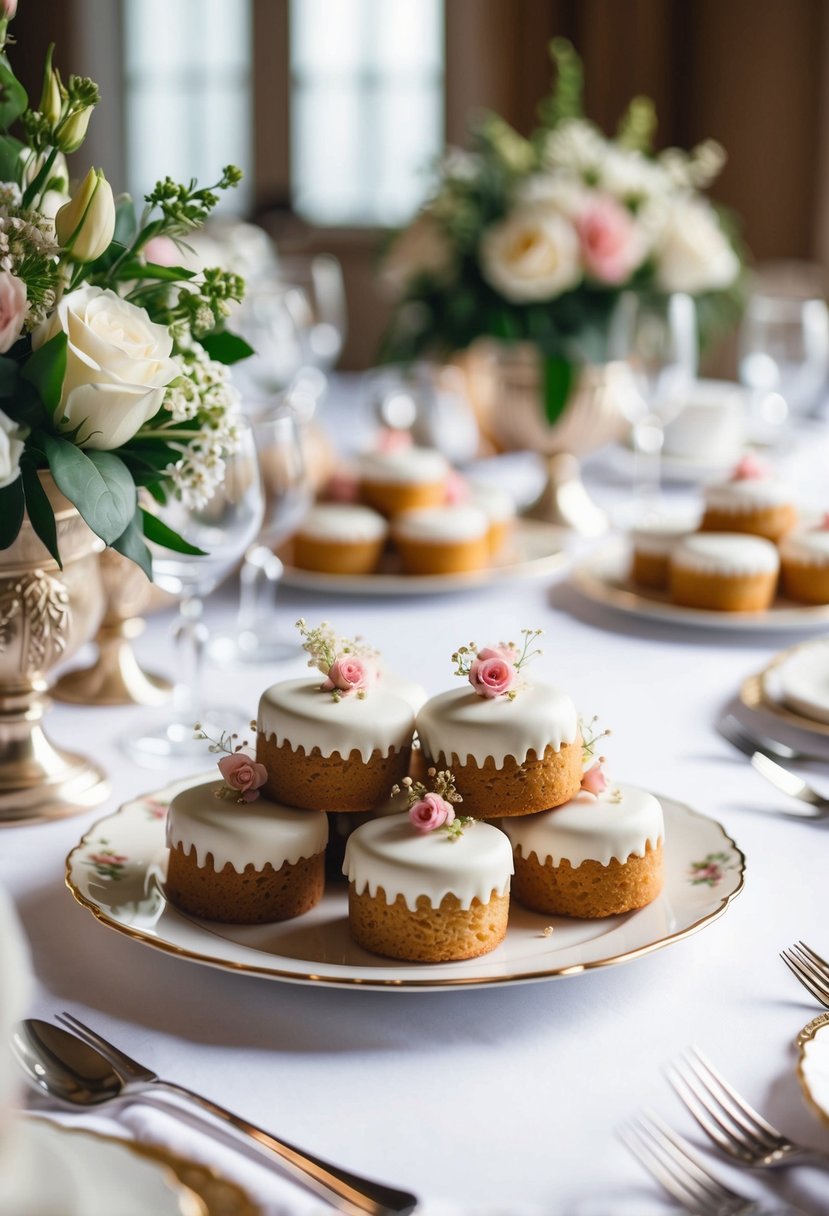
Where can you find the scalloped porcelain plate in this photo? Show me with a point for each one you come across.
(117, 872)
(813, 1065)
(763, 691)
(535, 550)
(799, 680)
(602, 578)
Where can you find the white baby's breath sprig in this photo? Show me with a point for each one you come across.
(590, 737)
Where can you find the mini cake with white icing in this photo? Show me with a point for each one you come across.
(442, 540)
(804, 564)
(725, 572)
(652, 544)
(337, 741)
(243, 862)
(598, 855)
(752, 501)
(426, 886)
(499, 508)
(340, 538)
(514, 746)
(403, 479)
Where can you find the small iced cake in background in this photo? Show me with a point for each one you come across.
(804, 564)
(652, 544)
(499, 508)
(243, 862)
(752, 501)
(514, 745)
(340, 538)
(339, 740)
(403, 479)
(442, 540)
(710, 427)
(425, 885)
(724, 571)
(598, 855)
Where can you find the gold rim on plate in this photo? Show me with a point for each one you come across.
(753, 694)
(807, 1035)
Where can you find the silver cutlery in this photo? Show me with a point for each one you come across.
(677, 1166)
(84, 1069)
(810, 969)
(749, 742)
(815, 804)
(730, 1122)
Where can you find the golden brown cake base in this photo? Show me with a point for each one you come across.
(650, 570)
(390, 498)
(497, 536)
(533, 785)
(315, 782)
(771, 522)
(591, 889)
(456, 557)
(253, 897)
(427, 935)
(722, 593)
(808, 584)
(336, 557)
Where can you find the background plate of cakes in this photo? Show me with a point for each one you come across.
(404, 521)
(745, 560)
(498, 851)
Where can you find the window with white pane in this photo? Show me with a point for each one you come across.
(367, 107)
(188, 93)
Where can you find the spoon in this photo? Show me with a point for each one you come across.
(66, 1068)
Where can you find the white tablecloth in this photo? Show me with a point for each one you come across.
(493, 1100)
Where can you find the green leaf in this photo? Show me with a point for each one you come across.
(11, 165)
(156, 530)
(45, 369)
(226, 347)
(131, 544)
(126, 223)
(12, 505)
(98, 483)
(134, 269)
(39, 509)
(558, 379)
(13, 97)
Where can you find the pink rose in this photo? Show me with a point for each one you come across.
(750, 468)
(13, 307)
(342, 486)
(594, 780)
(350, 673)
(9, 8)
(492, 676)
(243, 774)
(502, 651)
(610, 245)
(430, 812)
(456, 488)
(162, 251)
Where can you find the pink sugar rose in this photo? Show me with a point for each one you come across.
(593, 780)
(243, 774)
(750, 468)
(457, 488)
(502, 651)
(342, 486)
(430, 812)
(390, 439)
(13, 308)
(350, 673)
(492, 675)
(610, 244)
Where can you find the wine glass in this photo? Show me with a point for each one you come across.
(784, 355)
(323, 326)
(272, 318)
(223, 527)
(287, 492)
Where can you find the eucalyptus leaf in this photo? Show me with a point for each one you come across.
(156, 530)
(98, 483)
(12, 506)
(39, 509)
(131, 544)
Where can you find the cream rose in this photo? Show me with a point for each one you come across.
(532, 254)
(11, 449)
(118, 365)
(692, 253)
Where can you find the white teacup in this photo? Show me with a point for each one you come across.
(711, 427)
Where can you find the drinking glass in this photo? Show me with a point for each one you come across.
(323, 327)
(272, 318)
(784, 356)
(224, 528)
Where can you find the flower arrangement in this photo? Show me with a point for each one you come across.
(433, 810)
(535, 239)
(493, 671)
(348, 664)
(112, 364)
(243, 776)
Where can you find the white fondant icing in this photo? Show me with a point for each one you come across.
(809, 547)
(343, 524)
(439, 525)
(495, 502)
(726, 553)
(406, 466)
(748, 494)
(464, 726)
(243, 833)
(409, 690)
(590, 828)
(390, 853)
(299, 713)
(659, 537)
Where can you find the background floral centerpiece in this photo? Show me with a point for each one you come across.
(533, 240)
(112, 373)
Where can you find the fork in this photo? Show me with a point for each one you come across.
(782, 778)
(749, 742)
(727, 1119)
(676, 1165)
(810, 969)
(348, 1191)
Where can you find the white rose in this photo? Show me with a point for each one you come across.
(632, 177)
(118, 366)
(421, 249)
(562, 191)
(692, 253)
(532, 254)
(11, 449)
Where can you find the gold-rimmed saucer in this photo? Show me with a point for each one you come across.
(813, 1065)
(755, 695)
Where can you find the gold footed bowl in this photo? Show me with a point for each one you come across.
(116, 678)
(46, 614)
